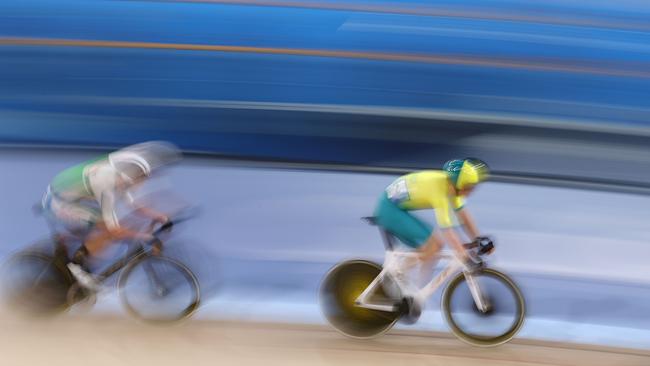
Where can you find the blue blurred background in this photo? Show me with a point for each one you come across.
(548, 89)
(552, 87)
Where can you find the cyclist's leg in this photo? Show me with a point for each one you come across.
(409, 230)
(429, 256)
(62, 239)
(99, 239)
(77, 220)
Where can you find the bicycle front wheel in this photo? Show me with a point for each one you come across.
(158, 289)
(499, 323)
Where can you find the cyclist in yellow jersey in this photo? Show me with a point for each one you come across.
(444, 191)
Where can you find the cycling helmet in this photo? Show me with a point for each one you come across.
(139, 161)
(466, 172)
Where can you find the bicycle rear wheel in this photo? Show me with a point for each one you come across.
(499, 323)
(341, 287)
(35, 283)
(158, 289)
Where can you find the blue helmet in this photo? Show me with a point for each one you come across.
(466, 172)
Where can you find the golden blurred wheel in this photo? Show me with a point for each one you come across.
(341, 287)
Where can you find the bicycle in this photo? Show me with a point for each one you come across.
(44, 285)
(361, 299)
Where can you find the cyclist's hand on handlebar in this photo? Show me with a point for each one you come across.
(485, 245)
(160, 221)
(167, 227)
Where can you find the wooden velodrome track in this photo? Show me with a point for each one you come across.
(119, 341)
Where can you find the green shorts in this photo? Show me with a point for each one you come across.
(407, 228)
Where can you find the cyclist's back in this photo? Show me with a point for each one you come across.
(428, 189)
(72, 183)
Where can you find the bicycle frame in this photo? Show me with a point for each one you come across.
(60, 250)
(131, 255)
(122, 262)
(392, 262)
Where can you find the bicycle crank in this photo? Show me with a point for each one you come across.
(411, 309)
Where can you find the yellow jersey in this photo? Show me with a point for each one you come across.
(428, 189)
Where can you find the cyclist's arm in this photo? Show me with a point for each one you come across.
(152, 214)
(146, 211)
(103, 184)
(450, 236)
(123, 233)
(109, 217)
(469, 225)
(443, 218)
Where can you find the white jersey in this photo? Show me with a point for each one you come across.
(95, 180)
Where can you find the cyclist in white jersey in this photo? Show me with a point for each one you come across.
(82, 199)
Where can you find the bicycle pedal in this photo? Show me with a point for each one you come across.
(411, 310)
(81, 297)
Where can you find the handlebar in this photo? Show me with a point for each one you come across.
(184, 215)
(166, 227)
(484, 244)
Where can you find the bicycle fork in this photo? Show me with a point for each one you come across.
(154, 280)
(479, 299)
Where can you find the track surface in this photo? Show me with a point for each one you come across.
(113, 341)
